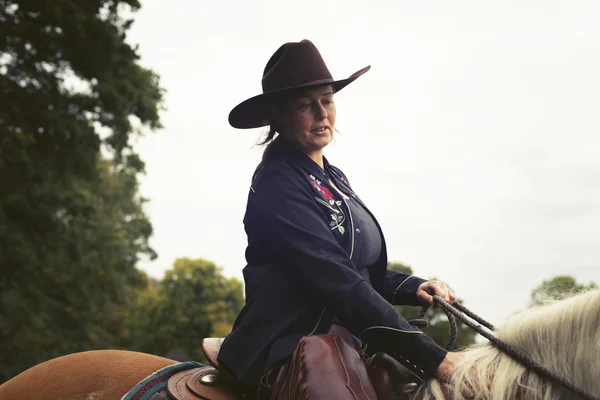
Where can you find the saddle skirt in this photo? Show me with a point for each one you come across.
(205, 383)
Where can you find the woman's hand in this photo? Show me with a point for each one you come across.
(426, 291)
(446, 369)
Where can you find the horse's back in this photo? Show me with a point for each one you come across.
(90, 375)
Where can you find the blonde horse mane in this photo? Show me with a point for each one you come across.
(562, 335)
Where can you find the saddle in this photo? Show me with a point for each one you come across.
(206, 383)
(390, 379)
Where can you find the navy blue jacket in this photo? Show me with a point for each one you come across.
(300, 273)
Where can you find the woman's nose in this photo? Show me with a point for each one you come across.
(321, 112)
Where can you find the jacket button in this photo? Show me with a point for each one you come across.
(357, 230)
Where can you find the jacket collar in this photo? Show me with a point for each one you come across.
(289, 151)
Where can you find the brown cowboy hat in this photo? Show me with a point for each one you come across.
(294, 65)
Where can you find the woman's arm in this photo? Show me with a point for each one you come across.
(401, 289)
(283, 217)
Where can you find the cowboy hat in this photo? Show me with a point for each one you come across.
(294, 65)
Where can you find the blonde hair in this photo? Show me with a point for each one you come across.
(563, 336)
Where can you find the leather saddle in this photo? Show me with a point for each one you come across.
(391, 380)
(209, 382)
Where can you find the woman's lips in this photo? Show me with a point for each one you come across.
(320, 131)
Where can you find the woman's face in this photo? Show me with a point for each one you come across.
(308, 119)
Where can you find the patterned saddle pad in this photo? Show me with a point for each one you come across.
(156, 384)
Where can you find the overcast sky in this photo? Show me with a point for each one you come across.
(475, 137)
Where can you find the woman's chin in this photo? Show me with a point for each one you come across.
(322, 140)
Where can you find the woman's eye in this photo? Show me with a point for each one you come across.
(304, 106)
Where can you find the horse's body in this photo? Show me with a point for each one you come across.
(564, 337)
(90, 375)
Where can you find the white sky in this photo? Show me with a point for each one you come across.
(475, 137)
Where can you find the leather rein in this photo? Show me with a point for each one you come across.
(467, 317)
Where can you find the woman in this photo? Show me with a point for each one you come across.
(316, 255)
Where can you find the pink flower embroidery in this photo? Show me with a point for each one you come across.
(326, 193)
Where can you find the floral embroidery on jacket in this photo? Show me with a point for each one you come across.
(320, 188)
(326, 193)
(338, 218)
(336, 223)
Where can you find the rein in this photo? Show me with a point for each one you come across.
(466, 316)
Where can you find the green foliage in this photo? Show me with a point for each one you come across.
(559, 287)
(72, 227)
(400, 267)
(193, 301)
(439, 327)
(67, 280)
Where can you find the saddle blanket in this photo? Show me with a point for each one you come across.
(157, 382)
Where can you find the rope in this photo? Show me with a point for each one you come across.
(515, 353)
(476, 317)
(451, 319)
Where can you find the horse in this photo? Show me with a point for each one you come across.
(89, 375)
(563, 336)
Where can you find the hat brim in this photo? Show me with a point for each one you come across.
(254, 112)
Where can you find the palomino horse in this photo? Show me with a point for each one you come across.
(563, 336)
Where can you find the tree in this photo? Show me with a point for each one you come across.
(439, 327)
(193, 301)
(69, 290)
(559, 287)
(72, 226)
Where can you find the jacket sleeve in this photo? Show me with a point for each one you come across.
(283, 217)
(401, 289)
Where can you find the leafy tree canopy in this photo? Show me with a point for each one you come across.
(559, 287)
(72, 226)
(193, 301)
